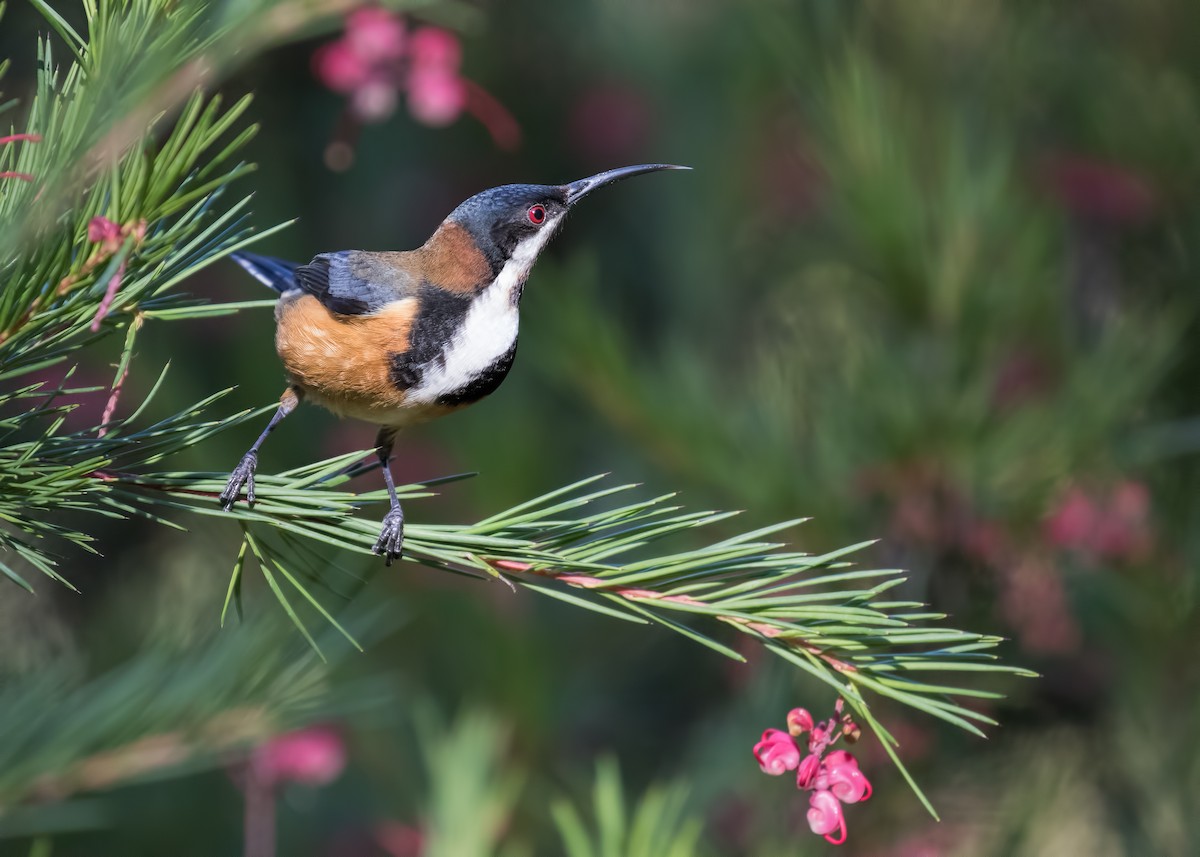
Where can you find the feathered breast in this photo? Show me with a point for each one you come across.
(345, 361)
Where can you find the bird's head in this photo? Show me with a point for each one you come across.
(511, 224)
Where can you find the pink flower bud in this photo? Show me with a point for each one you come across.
(436, 97)
(374, 101)
(105, 232)
(806, 774)
(375, 34)
(340, 67)
(435, 48)
(825, 816)
(776, 752)
(847, 783)
(799, 721)
(314, 756)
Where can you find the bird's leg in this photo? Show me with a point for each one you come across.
(391, 536)
(243, 474)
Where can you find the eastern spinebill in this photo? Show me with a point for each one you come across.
(397, 338)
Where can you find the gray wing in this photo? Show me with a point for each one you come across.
(356, 282)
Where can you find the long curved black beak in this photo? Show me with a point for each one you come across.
(578, 190)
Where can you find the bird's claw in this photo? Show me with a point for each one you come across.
(391, 536)
(243, 474)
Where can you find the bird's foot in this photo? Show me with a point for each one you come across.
(391, 536)
(243, 474)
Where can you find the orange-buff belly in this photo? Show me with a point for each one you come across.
(344, 362)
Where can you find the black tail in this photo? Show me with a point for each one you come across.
(279, 274)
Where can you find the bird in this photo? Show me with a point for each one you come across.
(397, 338)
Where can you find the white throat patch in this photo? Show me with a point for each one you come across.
(488, 330)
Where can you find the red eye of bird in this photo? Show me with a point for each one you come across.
(537, 215)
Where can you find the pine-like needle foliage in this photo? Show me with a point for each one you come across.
(65, 732)
(158, 191)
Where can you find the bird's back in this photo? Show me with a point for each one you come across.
(391, 337)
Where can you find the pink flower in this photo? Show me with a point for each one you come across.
(435, 48)
(825, 816)
(776, 752)
(845, 780)
(313, 756)
(1125, 530)
(436, 97)
(375, 34)
(437, 94)
(799, 721)
(1113, 526)
(376, 60)
(103, 231)
(1035, 601)
(1072, 520)
(340, 67)
(833, 777)
(374, 100)
(1099, 190)
(806, 774)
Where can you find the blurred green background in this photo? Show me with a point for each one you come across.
(933, 280)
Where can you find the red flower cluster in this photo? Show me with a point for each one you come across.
(377, 59)
(833, 777)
